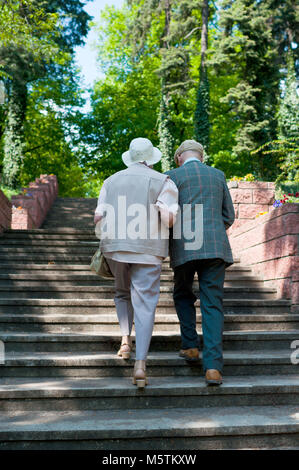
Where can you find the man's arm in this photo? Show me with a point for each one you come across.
(228, 211)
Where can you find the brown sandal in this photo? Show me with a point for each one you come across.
(125, 348)
(139, 376)
(125, 351)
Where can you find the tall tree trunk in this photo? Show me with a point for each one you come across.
(204, 39)
(166, 140)
(201, 118)
(14, 134)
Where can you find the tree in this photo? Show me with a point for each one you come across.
(201, 118)
(22, 56)
(51, 129)
(246, 47)
(175, 23)
(165, 129)
(121, 110)
(284, 20)
(288, 114)
(40, 47)
(254, 42)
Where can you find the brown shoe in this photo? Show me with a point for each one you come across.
(125, 348)
(213, 377)
(139, 374)
(191, 354)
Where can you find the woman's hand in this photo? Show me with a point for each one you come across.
(97, 218)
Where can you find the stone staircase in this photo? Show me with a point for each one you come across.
(63, 387)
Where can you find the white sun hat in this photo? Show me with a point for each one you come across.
(141, 150)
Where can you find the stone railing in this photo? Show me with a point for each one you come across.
(5, 212)
(30, 208)
(250, 198)
(269, 244)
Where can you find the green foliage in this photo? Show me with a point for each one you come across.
(13, 136)
(51, 130)
(282, 154)
(236, 102)
(9, 192)
(202, 122)
(230, 163)
(202, 110)
(172, 26)
(224, 122)
(285, 187)
(162, 81)
(166, 134)
(288, 114)
(27, 34)
(37, 40)
(246, 47)
(122, 110)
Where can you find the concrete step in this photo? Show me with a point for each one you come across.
(159, 363)
(63, 231)
(45, 259)
(107, 292)
(161, 341)
(82, 220)
(240, 427)
(24, 236)
(107, 322)
(61, 268)
(83, 248)
(52, 282)
(114, 393)
(70, 277)
(105, 306)
(25, 243)
(85, 268)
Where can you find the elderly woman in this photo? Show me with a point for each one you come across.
(135, 257)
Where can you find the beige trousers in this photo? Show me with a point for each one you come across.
(137, 290)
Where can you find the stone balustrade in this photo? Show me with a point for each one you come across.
(250, 198)
(32, 205)
(269, 245)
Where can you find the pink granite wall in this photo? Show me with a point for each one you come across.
(250, 198)
(270, 245)
(32, 205)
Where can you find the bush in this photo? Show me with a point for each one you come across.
(9, 192)
(231, 164)
(286, 187)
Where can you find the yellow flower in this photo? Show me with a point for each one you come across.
(249, 177)
(236, 178)
(261, 213)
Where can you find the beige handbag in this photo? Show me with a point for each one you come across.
(100, 266)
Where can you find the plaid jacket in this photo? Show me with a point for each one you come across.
(201, 184)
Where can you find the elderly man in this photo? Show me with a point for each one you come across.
(135, 248)
(205, 187)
